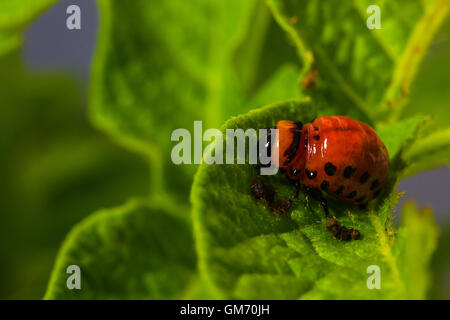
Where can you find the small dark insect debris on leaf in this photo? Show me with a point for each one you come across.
(340, 232)
(265, 194)
(309, 80)
(261, 191)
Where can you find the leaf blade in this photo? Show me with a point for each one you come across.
(334, 40)
(137, 251)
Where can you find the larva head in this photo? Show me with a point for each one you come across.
(287, 143)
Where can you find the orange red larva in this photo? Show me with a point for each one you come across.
(336, 154)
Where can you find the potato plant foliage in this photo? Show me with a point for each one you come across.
(160, 65)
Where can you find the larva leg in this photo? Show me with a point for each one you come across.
(316, 194)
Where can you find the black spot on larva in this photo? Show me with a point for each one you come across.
(374, 184)
(316, 137)
(376, 193)
(349, 172)
(340, 189)
(351, 194)
(292, 150)
(361, 199)
(298, 125)
(282, 170)
(306, 141)
(315, 128)
(293, 171)
(330, 169)
(324, 185)
(310, 174)
(364, 177)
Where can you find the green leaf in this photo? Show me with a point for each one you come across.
(246, 251)
(14, 17)
(136, 251)
(429, 96)
(255, 59)
(155, 58)
(160, 60)
(17, 13)
(131, 101)
(281, 86)
(422, 147)
(399, 135)
(160, 65)
(440, 264)
(371, 70)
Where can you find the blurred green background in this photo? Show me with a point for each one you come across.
(56, 169)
